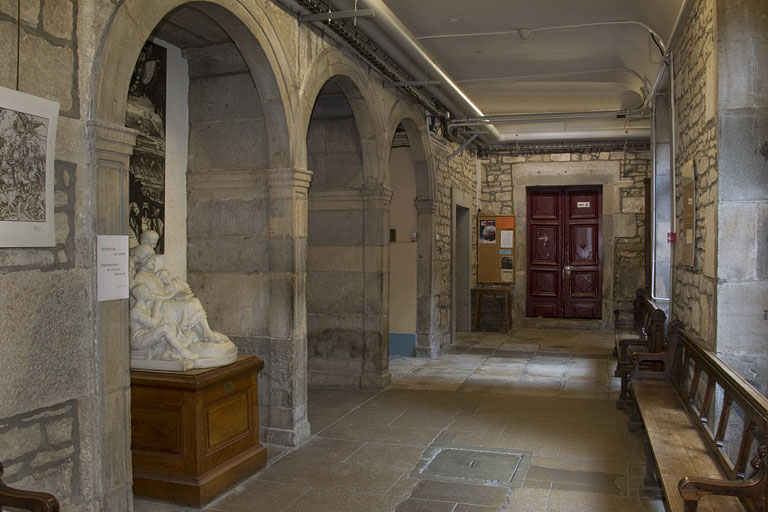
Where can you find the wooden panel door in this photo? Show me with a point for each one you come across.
(564, 252)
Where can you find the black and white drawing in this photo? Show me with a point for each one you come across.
(22, 166)
(146, 113)
(27, 142)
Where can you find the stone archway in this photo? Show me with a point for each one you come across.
(266, 184)
(425, 204)
(347, 322)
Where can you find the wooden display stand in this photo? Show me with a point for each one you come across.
(195, 434)
(504, 323)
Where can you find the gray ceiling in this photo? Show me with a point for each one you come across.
(543, 56)
(513, 57)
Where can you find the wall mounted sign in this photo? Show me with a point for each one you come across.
(496, 249)
(27, 144)
(112, 267)
(687, 231)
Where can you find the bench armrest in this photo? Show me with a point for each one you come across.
(626, 344)
(617, 316)
(26, 500)
(639, 358)
(692, 489)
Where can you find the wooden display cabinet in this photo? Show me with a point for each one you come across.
(195, 434)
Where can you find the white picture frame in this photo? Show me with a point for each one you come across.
(27, 153)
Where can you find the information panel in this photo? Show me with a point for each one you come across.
(496, 249)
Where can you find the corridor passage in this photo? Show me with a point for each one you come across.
(524, 421)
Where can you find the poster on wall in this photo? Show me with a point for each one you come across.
(27, 145)
(487, 231)
(145, 113)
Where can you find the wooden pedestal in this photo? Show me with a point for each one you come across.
(195, 434)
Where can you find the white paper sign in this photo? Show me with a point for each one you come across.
(508, 239)
(112, 267)
(582, 204)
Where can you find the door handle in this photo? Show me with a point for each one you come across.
(567, 270)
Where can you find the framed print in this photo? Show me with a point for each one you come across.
(145, 113)
(27, 146)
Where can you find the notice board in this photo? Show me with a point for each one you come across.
(496, 249)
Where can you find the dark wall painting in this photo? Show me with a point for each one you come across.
(146, 113)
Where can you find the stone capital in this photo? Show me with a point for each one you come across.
(378, 197)
(350, 198)
(425, 205)
(295, 181)
(107, 139)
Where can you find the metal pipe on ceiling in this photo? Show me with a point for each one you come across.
(529, 30)
(340, 32)
(397, 41)
(545, 116)
(602, 133)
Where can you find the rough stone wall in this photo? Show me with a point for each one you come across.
(498, 186)
(39, 450)
(46, 391)
(742, 267)
(458, 173)
(693, 288)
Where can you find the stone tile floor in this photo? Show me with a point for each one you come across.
(524, 421)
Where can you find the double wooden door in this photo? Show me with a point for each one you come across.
(564, 252)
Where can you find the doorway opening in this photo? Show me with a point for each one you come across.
(565, 252)
(403, 235)
(462, 311)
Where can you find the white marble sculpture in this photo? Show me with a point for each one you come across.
(169, 327)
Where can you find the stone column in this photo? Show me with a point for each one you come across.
(246, 253)
(348, 286)
(286, 376)
(376, 202)
(425, 286)
(111, 147)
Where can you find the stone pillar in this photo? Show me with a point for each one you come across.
(111, 147)
(246, 251)
(287, 374)
(348, 281)
(376, 203)
(426, 299)
(742, 208)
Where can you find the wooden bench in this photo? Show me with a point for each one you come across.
(639, 329)
(705, 429)
(26, 500)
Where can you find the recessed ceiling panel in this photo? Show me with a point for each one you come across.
(540, 97)
(436, 17)
(522, 57)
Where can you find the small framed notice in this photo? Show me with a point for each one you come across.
(112, 267)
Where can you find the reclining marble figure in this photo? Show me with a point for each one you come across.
(169, 327)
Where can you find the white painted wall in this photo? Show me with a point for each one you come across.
(177, 136)
(402, 254)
